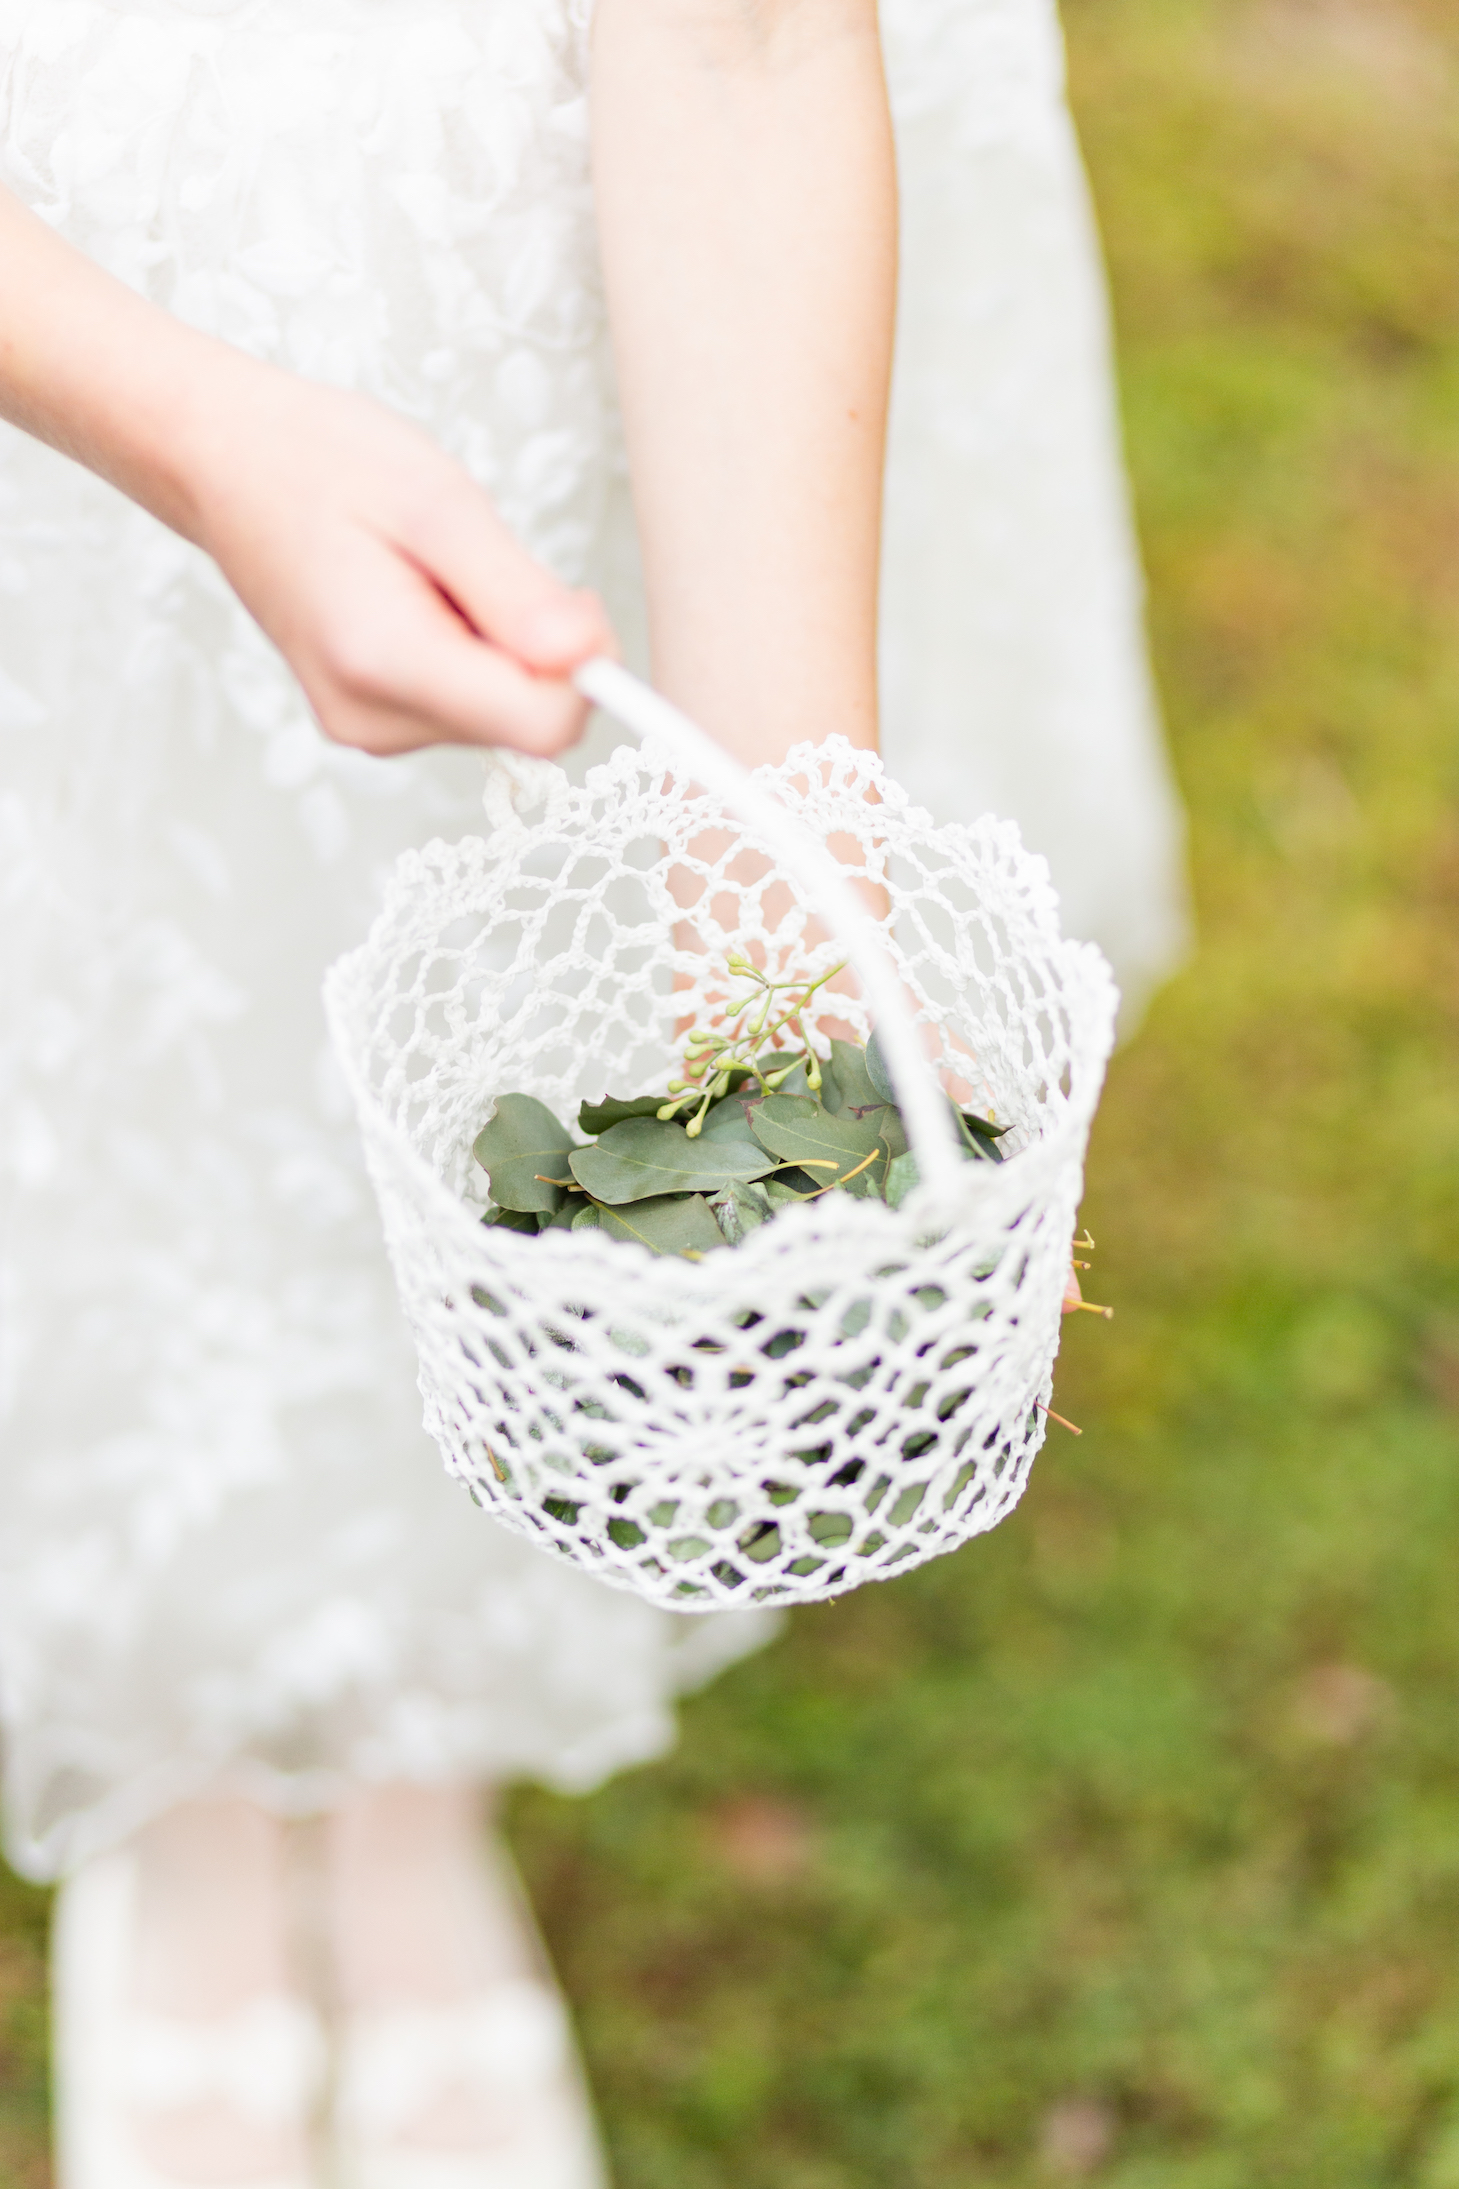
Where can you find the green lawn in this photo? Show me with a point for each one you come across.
(1125, 1845)
(23, 2131)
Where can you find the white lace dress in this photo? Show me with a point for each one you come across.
(226, 1549)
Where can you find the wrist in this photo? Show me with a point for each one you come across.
(174, 416)
(191, 427)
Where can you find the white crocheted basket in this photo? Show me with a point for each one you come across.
(853, 1388)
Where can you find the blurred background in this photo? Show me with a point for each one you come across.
(1124, 1846)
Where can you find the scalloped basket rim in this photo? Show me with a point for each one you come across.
(910, 1225)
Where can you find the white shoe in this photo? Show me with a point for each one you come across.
(111, 2061)
(509, 2048)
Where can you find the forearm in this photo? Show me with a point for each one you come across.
(96, 371)
(745, 182)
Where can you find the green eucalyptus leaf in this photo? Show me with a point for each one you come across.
(855, 1089)
(732, 1113)
(902, 1177)
(975, 1148)
(671, 1223)
(523, 1144)
(585, 1216)
(727, 1128)
(877, 1071)
(981, 1137)
(741, 1208)
(644, 1156)
(564, 1218)
(596, 1117)
(984, 1126)
(860, 1099)
(800, 1131)
(510, 1220)
(893, 1132)
(791, 1184)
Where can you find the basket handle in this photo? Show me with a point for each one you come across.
(644, 712)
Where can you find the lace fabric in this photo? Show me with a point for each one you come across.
(226, 1548)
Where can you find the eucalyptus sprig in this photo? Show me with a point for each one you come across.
(712, 1059)
(770, 1126)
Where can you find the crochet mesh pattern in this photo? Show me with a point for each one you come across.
(852, 1389)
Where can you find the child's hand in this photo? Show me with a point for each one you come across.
(406, 609)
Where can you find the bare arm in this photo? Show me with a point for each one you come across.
(747, 207)
(408, 612)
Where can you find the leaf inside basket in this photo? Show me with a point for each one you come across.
(642, 1157)
(522, 1146)
(848, 1084)
(832, 1149)
(729, 1122)
(743, 1140)
(596, 1117)
(673, 1224)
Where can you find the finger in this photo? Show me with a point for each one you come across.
(403, 670)
(504, 592)
(385, 730)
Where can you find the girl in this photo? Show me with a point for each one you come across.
(332, 334)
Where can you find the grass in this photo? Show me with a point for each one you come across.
(23, 2130)
(1124, 1846)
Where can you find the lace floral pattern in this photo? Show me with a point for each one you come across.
(226, 1546)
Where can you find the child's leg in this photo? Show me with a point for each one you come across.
(184, 2051)
(453, 2037)
(211, 1909)
(408, 1916)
